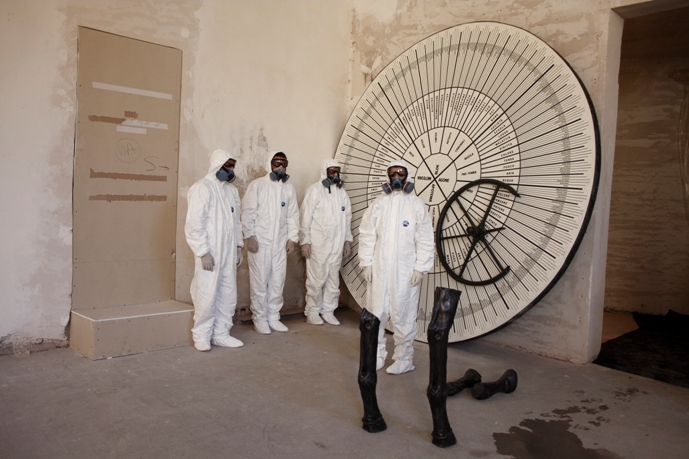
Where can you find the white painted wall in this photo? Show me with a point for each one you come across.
(259, 76)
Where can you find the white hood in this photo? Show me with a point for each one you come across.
(326, 164)
(218, 158)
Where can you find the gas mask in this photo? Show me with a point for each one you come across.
(226, 172)
(333, 177)
(279, 169)
(398, 180)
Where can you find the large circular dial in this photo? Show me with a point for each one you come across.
(503, 146)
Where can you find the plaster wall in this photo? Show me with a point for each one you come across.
(256, 76)
(648, 253)
(566, 323)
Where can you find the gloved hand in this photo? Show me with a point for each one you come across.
(306, 250)
(368, 275)
(252, 244)
(347, 250)
(416, 278)
(240, 256)
(290, 246)
(207, 262)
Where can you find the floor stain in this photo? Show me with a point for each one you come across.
(541, 439)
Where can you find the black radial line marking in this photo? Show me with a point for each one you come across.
(412, 99)
(424, 94)
(373, 149)
(522, 167)
(548, 211)
(529, 158)
(525, 63)
(515, 211)
(423, 160)
(519, 144)
(518, 233)
(394, 144)
(501, 77)
(458, 92)
(505, 60)
(364, 133)
(375, 120)
(546, 110)
(508, 79)
(410, 116)
(372, 160)
(487, 78)
(516, 260)
(542, 123)
(402, 108)
(382, 136)
(478, 57)
(542, 102)
(549, 199)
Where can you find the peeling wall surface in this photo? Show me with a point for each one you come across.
(259, 76)
(256, 76)
(648, 253)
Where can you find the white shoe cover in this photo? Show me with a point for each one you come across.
(380, 363)
(202, 346)
(329, 317)
(226, 341)
(278, 326)
(399, 367)
(262, 328)
(314, 319)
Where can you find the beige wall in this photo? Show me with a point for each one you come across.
(259, 76)
(256, 76)
(648, 253)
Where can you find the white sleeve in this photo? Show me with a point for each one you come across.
(307, 207)
(367, 234)
(198, 200)
(239, 240)
(250, 209)
(348, 218)
(425, 248)
(293, 217)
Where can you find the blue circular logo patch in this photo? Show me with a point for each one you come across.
(283, 204)
(232, 209)
(405, 223)
(342, 208)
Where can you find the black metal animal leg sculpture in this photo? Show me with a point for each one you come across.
(444, 309)
(506, 384)
(470, 378)
(372, 421)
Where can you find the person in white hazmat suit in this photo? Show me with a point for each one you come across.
(214, 234)
(395, 250)
(270, 218)
(326, 238)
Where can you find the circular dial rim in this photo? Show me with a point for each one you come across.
(397, 117)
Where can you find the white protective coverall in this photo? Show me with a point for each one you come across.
(213, 226)
(271, 214)
(396, 239)
(326, 217)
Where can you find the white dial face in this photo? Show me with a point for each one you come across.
(503, 147)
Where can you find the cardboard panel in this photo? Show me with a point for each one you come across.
(125, 172)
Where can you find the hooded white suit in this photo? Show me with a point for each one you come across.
(213, 226)
(396, 239)
(271, 214)
(326, 216)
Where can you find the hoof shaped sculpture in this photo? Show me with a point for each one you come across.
(444, 309)
(372, 421)
(506, 384)
(470, 379)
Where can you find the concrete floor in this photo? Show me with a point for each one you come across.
(295, 395)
